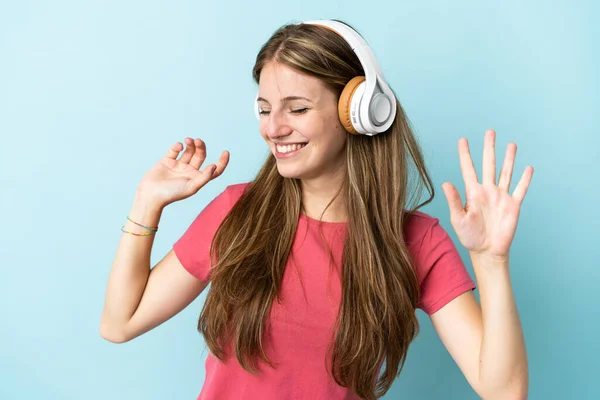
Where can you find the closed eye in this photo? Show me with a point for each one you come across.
(297, 111)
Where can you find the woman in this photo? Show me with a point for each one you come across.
(318, 265)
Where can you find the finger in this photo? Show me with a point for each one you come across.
(488, 170)
(523, 185)
(199, 154)
(173, 152)
(507, 167)
(466, 163)
(221, 164)
(454, 201)
(189, 150)
(202, 178)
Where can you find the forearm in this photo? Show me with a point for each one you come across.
(503, 369)
(130, 269)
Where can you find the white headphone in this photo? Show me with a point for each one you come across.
(367, 104)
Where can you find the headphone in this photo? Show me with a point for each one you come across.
(367, 105)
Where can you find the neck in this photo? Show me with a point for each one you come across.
(317, 193)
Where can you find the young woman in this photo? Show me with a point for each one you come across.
(319, 264)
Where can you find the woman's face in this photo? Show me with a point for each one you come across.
(297, 108)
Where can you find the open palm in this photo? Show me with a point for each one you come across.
(486, 224)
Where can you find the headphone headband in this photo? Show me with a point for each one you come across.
(357, 43)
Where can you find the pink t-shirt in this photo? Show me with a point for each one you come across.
(301, 326)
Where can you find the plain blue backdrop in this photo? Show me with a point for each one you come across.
(93, 93)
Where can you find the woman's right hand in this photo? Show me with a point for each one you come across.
(170, 179)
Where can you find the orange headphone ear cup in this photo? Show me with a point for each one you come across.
(346, 100)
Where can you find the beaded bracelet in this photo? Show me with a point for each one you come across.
(143, 226)
(152, 230)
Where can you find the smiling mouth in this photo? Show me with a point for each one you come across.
(287, 150)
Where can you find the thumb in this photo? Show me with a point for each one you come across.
(202, 178)
(453, 197)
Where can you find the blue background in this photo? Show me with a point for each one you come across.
(93, 93)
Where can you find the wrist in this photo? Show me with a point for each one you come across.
(147, 202)
(489, 258)
(486, 263)
(145, 211)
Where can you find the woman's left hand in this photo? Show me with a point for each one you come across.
(486, 225)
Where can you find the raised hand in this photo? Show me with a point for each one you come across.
(170, 179)
(486, 224)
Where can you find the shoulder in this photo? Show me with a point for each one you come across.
(430, 244)
(427, 241)
(417, 226)
(235, 191)
(238, 187)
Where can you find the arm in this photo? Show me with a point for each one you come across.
(139, 298)
(495, 359)
(487, 343)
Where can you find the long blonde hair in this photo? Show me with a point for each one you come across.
(376, 320)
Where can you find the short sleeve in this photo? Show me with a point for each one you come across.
(193, 247)
(443, 272)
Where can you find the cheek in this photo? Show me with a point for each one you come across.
(331, 136)
(341, 134)
(330, 129)
(334, 120)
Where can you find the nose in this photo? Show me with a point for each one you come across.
(276, 124)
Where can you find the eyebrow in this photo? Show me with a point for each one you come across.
(286, 99)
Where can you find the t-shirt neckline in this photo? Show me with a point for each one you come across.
(316, 222)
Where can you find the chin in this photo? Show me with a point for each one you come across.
(291, 173)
